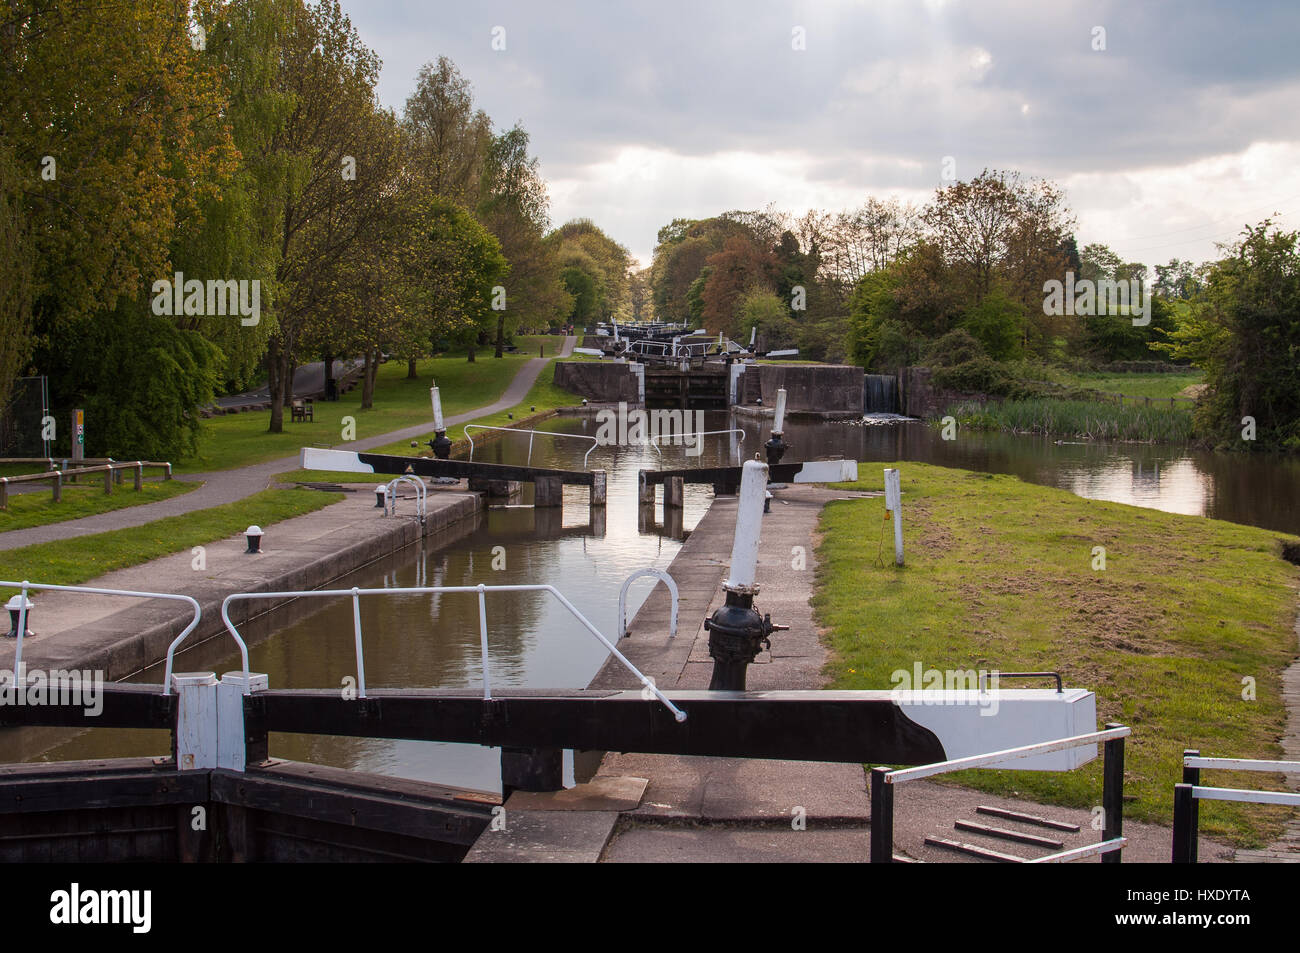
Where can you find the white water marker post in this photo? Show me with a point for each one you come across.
(894, 503)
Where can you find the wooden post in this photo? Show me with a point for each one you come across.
(882, 818)
(548, 491)
(599, 483)
(58, 485)
(1192, 776)
(4, 493)
(894, 503)
(231, 751)
(674, 492)
(108, 480)
(645, 490)
(196, 720)
(139, 476)
(1112, 793)
(1184, 825)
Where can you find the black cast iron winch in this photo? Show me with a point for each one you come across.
(737, 633)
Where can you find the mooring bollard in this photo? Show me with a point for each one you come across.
(736, 631)
(254, 536)
(20, 615)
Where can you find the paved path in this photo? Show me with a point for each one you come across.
(308, 381)
(229, 486)
(1286, 849)
(704, 809)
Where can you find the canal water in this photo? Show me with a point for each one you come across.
(433, 640)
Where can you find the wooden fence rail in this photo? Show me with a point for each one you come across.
(56, 477)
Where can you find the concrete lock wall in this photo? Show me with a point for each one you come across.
(830, 389)
(605, 382)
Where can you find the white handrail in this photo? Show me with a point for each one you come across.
(1246, 794)
(1242, 764)
(698, 433)
(480, 590)
(95, 590)
(531, 434)
(622, 598)
(1065, 856)
(1009, 754)
(390, 493)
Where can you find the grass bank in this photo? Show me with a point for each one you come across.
(1000, 575)
(37, 507)
(238, 440)
(1161, 386)
(542, 400)
(70, 562)
(1084, 420)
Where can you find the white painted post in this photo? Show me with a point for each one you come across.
(778, 427)
(231, 750)
(894, 503)
(196, 720)
(736, 370)
(749, 523)
(437, 409)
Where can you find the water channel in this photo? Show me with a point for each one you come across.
(433, 640)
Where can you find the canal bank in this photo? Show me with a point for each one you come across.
(119, 636)
(655, 808)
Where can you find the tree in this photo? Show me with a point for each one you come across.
(515, 209)
(741, 266)
(330, 76)
(1244, 332)
(108, 142)
(461, 262)
(449, 139)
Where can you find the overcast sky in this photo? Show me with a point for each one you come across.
(1182, 129)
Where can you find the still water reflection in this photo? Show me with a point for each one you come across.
(432, 640)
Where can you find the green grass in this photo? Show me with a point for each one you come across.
(1080, 419)
(237, 440)
(542, 400)
(38, 508)
(999, 576)
(1137, 385)
(70, 562)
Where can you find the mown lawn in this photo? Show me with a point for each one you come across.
(543, 398)
(1138, 385)
(71, 562)
(37, 508)
(1000, 575)
(237, 440)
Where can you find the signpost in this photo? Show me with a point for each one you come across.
(78, 435)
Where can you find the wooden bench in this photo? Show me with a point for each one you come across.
(301, 409)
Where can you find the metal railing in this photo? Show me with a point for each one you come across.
(1190, 792)
(698, 433)
(531, 434)
(622, 598)
(884, 780)
(26, 586)
(390, 494)
(480, 590)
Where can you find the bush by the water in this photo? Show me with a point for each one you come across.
(961, 364)
(1077, 418)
